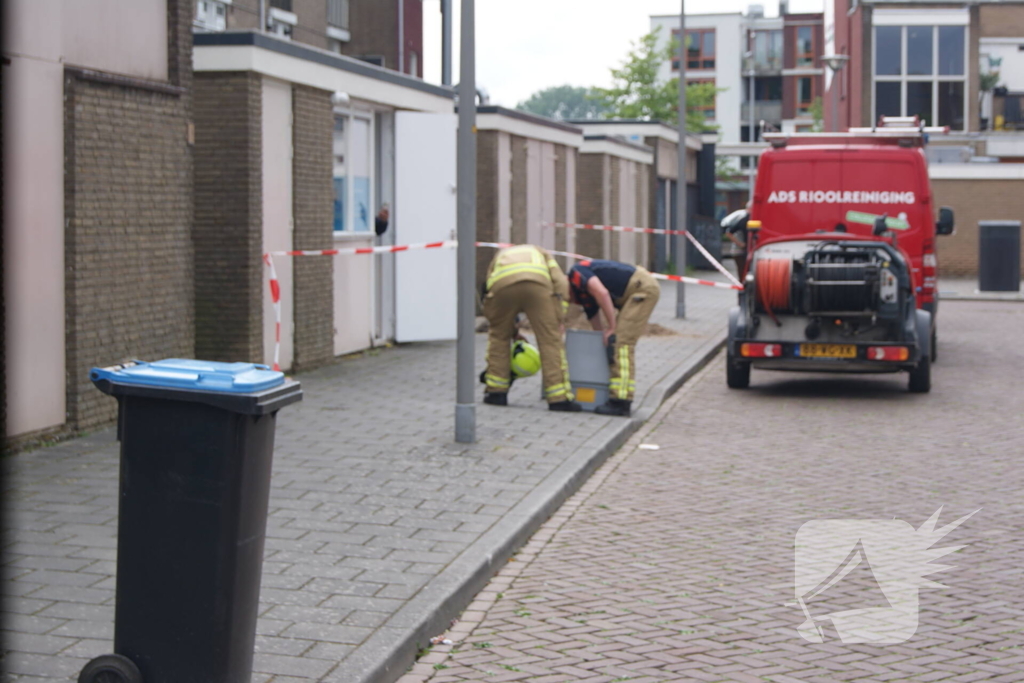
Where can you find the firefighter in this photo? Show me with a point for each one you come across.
(526, 279)
(602, 287)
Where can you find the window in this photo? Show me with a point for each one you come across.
(767, 50)
(805, 95)
(805, 46)
(211, 15)
(353, 169)
(337, 13)
(920, 71)
(709, 109)
(700, 49)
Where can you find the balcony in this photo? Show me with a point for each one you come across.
(337, 13)
(763, 63)
(764, 110)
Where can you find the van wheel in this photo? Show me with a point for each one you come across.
(935, 345)
(737, 375)
(110, 669)
(921, 377)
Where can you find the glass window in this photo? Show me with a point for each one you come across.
(951, 50)
(888, 51)
(919, 50)
(919, 100)
(360, 174)
(340, 175)
(951, 104)
(805, 93)
(804, 46)
(887, 99)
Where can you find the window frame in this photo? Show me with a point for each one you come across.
(803, 109)
(809, 57)
(702, 58)
(903, 78)
(712, 108)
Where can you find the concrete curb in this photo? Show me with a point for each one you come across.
(388, 653)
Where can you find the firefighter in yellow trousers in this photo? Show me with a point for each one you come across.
(602, 287)
(526, 279)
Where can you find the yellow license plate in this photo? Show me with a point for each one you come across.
(586, 395)
(828, 350)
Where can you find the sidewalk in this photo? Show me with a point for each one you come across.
(967, 289)
(381, 527)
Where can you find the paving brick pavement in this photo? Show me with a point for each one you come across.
(381, 528)
(677, 564)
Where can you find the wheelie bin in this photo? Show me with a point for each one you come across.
(197, 440)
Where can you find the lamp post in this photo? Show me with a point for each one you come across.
(836, 64)
(465, 410)
(681, 184)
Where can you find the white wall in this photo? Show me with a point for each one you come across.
(352, 296)
(33, 215)
(277, 214)
(121, 36)
(1011, 71)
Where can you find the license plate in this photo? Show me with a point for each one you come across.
(828, 350)
(586, 395)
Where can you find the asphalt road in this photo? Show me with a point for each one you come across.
(679, 563)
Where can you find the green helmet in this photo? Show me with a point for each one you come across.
(525, 359)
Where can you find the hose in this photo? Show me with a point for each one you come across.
(772, 281)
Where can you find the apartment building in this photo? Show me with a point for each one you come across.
(387, 33)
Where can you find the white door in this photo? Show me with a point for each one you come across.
(425, 211)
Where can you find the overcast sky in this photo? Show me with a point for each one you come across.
(529, 45)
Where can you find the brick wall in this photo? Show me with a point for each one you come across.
(615, 206)
(374, 29)
(128, 221)
(228, 216)
(313, 213)
(591, 188)
(561, 192)
(1001, 21)
(312, 26)
(486, 199)
(973, 201)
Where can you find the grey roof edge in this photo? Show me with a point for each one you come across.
(313, 54)
(527, 116)
(692, 134)
(619, 141)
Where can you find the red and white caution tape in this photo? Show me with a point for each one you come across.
(654, 231)
(275, 296)
(367, 250)
(660, 276)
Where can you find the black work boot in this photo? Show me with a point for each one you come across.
(566, 406)
(615, 406)
(496, 399)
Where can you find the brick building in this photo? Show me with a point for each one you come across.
(388, 33)
(97, 201)
(299, 149)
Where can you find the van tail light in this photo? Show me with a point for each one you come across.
(896, 353)
(929, 268)
(761, 350)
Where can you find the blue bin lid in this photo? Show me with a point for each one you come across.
(197, 375)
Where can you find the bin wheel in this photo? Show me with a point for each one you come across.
(110, 669)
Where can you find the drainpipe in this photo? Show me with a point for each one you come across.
(263, 15)
(401, 35)
(446, 42)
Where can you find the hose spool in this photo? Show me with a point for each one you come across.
(772, 281)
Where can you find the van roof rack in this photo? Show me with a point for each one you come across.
(905, 131)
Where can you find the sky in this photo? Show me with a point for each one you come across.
(527, 45)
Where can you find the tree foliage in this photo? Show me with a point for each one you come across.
(637, 93)
(563, 102)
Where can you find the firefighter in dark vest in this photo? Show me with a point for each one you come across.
(601, 287)
(527, 279)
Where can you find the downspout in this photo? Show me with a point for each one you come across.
(401, 35)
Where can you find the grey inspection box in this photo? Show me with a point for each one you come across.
(588, 367)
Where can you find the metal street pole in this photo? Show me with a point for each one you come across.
(263, 15)
(446, 42)
(681, 169)
(465, 408)
(835, 102)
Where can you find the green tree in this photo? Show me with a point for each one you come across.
(563, 102)
(817, 110)
(636, 92)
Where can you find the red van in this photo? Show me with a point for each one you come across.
(839, 216)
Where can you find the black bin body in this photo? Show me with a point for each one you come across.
(194, 492)
(999, 256)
